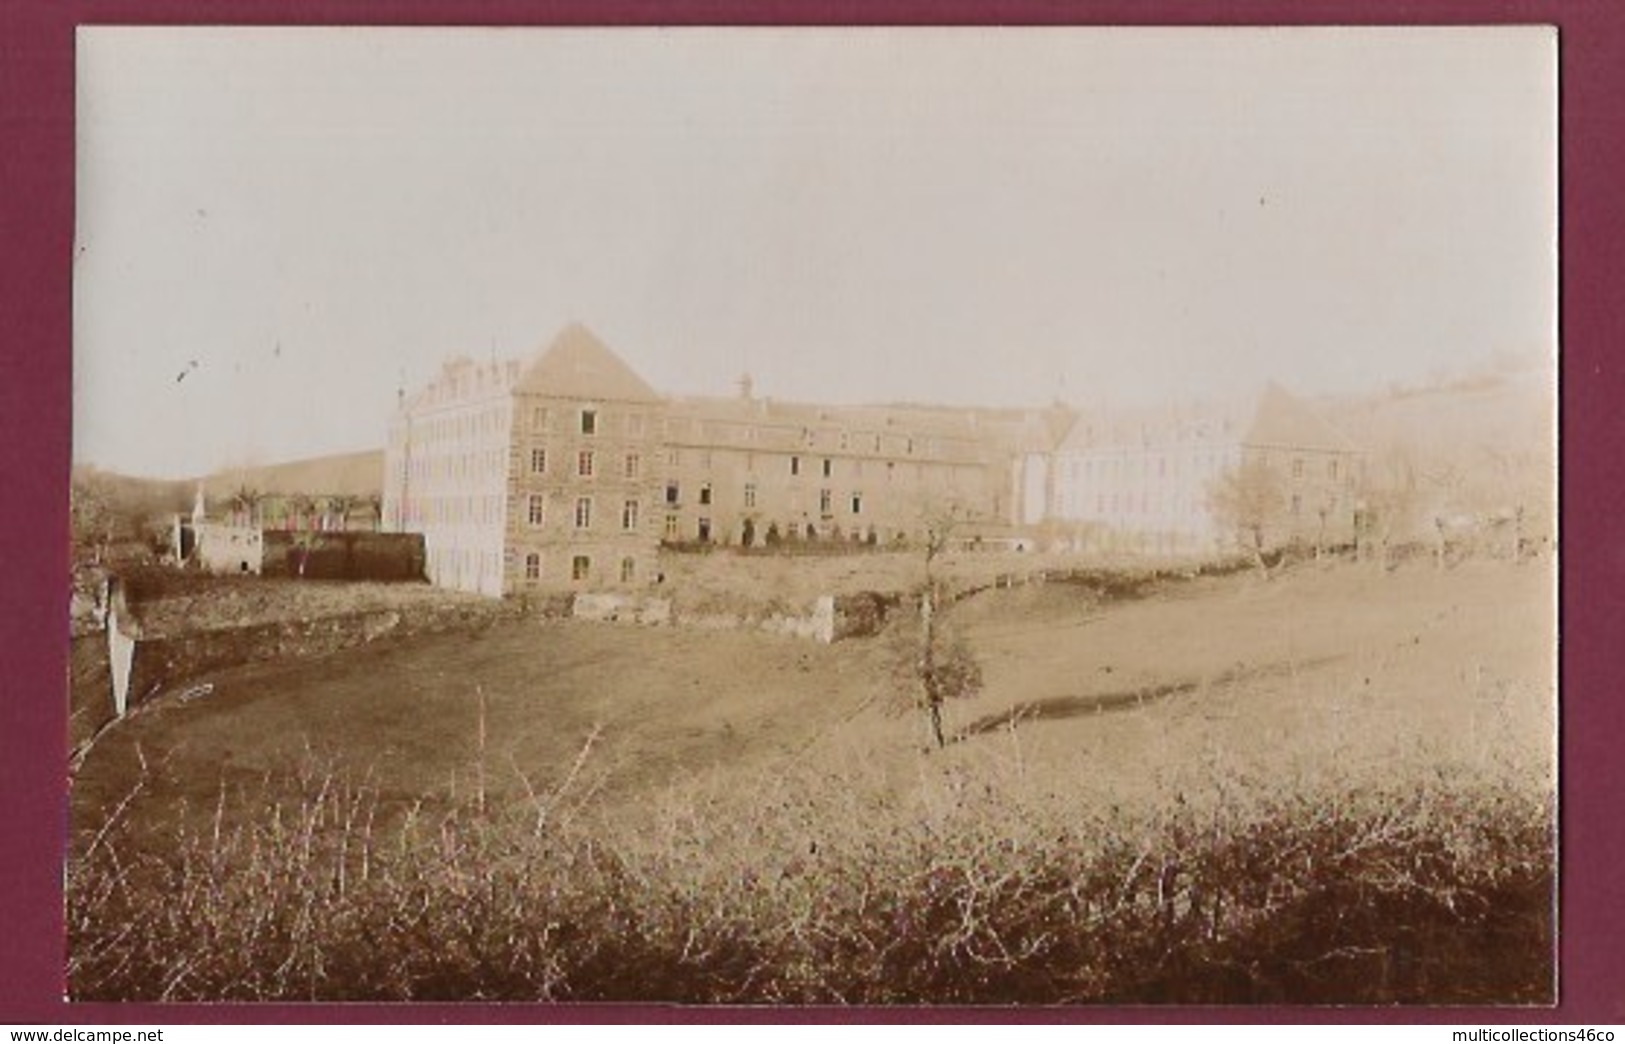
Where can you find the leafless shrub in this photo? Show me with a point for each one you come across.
(971, 883)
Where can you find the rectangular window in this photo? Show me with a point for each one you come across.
(533, 566)
(1331, 469)
(536, 509)
(538, 418)
(580, 568)
(538, 461)
(1297, 468)
(584, 513)
(750, 494)
(705, 493)
(823, 501)
(629, 568)
(795, 465)
(828, 466)
(857, 503)
(671, 527)
(632, 465)
(629, 515)
(634, 425)
(589, 422)
(584, 463)
(673, 493)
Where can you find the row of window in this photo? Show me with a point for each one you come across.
(846, 441)
(1147, 504)
(589, 420)
(1142, 467)
(826, 498)
(536, 512)
(586, 463)
(752, 532)
(581, 568)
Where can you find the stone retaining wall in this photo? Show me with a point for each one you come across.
(829, 619)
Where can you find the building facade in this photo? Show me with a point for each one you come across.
(571, 472)
(1151, 481)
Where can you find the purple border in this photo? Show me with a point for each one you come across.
(36, 168)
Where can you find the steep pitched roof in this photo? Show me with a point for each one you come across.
(577, 365)
(1282, 419)
(1273, 417)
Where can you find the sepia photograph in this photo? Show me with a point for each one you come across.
(814, 516)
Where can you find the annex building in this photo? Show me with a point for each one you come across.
(569, 471)
(1143, 481)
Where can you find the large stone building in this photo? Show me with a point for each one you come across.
(1146, 481)
(570, 471)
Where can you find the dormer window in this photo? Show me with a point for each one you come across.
(589, 422)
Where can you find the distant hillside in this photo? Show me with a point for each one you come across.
(350, 474)
(128, 497)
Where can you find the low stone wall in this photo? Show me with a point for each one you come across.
(829, 619)
(621, 608)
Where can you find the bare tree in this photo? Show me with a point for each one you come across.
(91, 517)
(245, 505)
(1390, 497)
(301, 506)
(945, 668)
(339, 507)
(373, 505)
(304, 541)
(1444, 481)
(1249, 501)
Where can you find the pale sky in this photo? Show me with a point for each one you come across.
(979, 216)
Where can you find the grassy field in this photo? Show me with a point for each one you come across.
(1332, 785)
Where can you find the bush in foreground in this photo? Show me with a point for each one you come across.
(969, 888)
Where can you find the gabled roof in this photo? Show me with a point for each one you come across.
(1282, 419)
(577, 365)
(1274, 417)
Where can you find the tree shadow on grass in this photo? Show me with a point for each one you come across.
(1060, 708)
